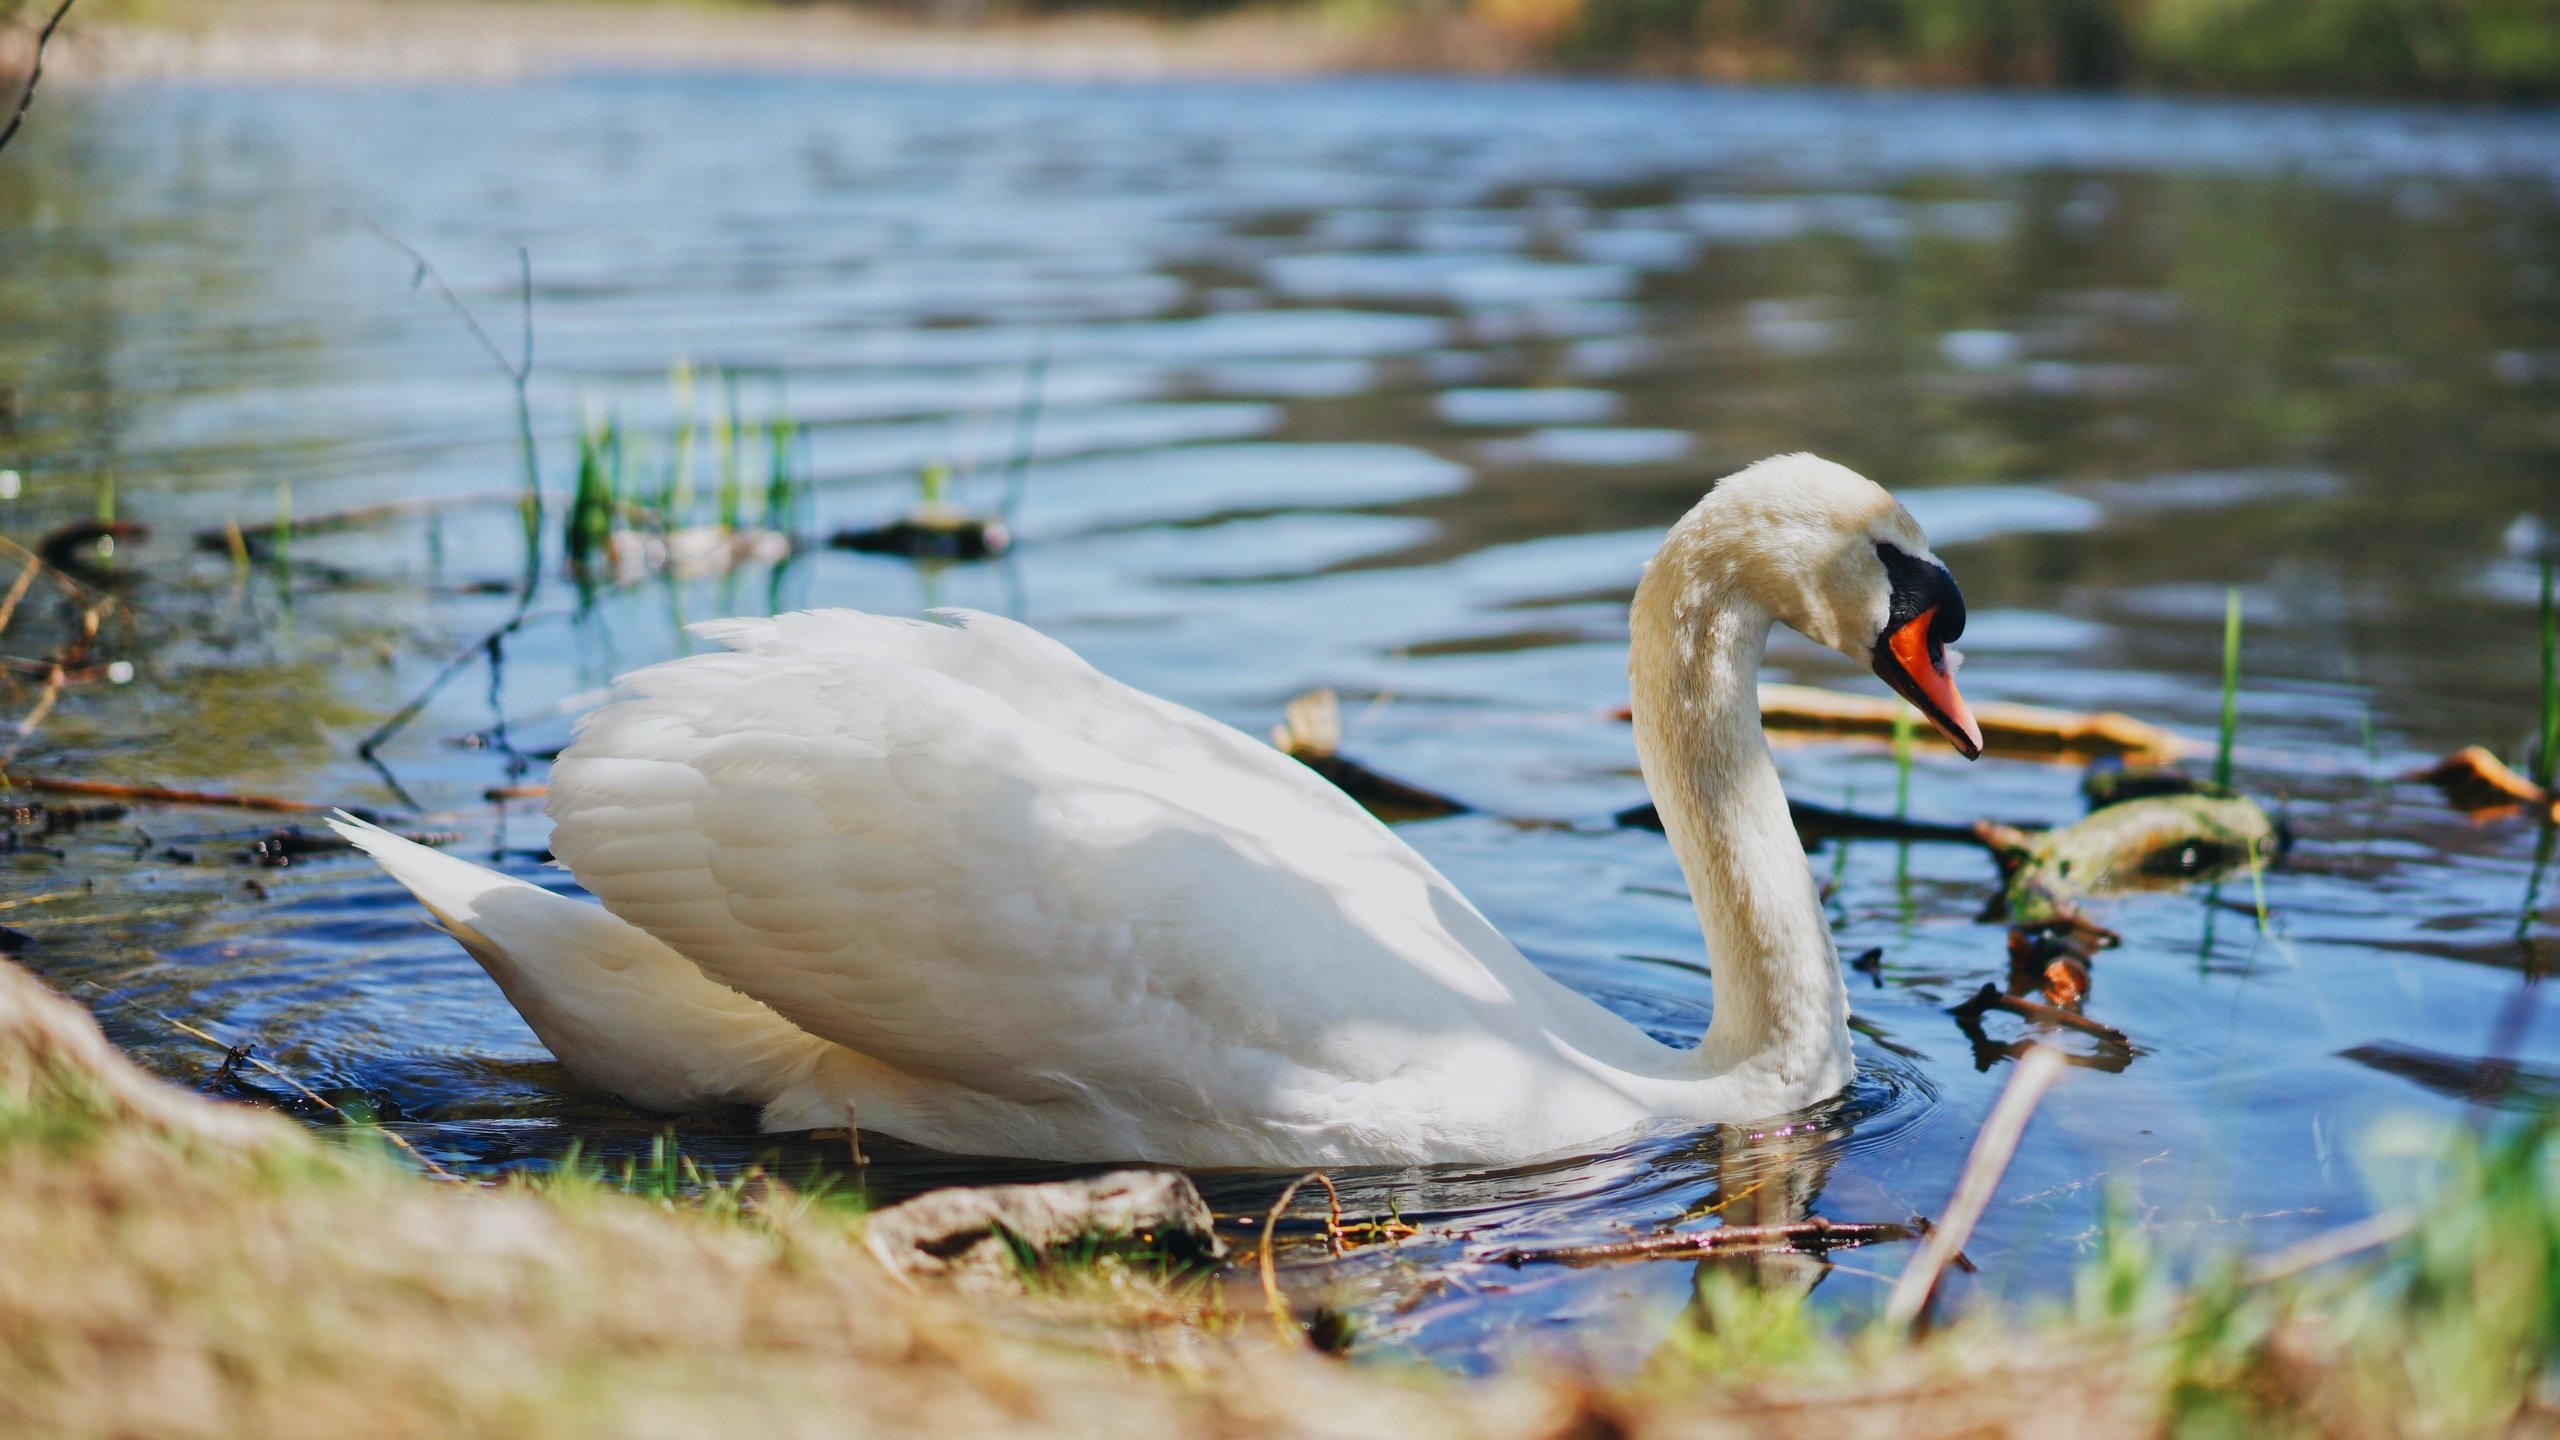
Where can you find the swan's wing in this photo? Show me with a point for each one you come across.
(960, 849)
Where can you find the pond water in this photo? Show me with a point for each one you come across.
(1383, 385)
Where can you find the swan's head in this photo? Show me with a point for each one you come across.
(1839, 560)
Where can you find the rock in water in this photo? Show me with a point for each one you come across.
(973, 1235)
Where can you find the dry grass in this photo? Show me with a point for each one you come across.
(181, 1268)
(173, 1267)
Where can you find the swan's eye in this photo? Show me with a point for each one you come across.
(1921, 587)
(1922, 613)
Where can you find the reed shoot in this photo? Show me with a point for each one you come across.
(724, 430)
(1904, 718)
(780, 495)
(591, 507)
(675, 503)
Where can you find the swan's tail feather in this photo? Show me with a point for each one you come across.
(619, 1008)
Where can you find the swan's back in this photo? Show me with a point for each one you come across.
(962, 851)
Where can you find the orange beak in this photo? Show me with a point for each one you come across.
(1915, 665)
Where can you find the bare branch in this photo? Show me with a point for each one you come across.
(427, 271)
(1992, 1149)
(35, 72)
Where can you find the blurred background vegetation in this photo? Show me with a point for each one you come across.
(2470, 50)
(2466, 49)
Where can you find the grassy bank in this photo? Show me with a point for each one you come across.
(178, 1268)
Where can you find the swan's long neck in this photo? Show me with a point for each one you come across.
(1781, 1010)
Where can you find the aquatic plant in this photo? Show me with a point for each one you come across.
(619, 525)
(724, 431)
(675, 498)
(593, 504)
(783, 485)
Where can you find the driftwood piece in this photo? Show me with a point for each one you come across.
(2478, 1079)
(1310, 732)
(977, 1236)
(2010, 729)
(2473, 779)
(1989, 997)
(2022, 731)
(1817, 823)
(2156, 840)
(929, 532)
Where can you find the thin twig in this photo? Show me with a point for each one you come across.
(486, 645)
(1270, 1274)
(233, 537)
(311, 1095)
(2338, 1244)
(427, 271)
(163, 795)
(17, 592)
(517, 374)
(1812, 1236)
(35, 716)
(35, 72)
(1026, 428)
(2037, 1070)
(68, 584)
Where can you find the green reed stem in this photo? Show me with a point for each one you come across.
(1905, 726)
(281, 548)
(2230, 687)
(676, 510)
(779, 499)
(725, 436)
(107, 516)
(590, 524)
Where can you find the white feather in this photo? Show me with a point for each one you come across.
(988, 899)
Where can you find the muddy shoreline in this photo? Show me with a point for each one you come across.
(373, 42)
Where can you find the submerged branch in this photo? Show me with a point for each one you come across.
(1814, 1236)
(234, 537)
(233, 1054)
(1989, 997)
(1271, 1296)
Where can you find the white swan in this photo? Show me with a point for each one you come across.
(953, 884)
